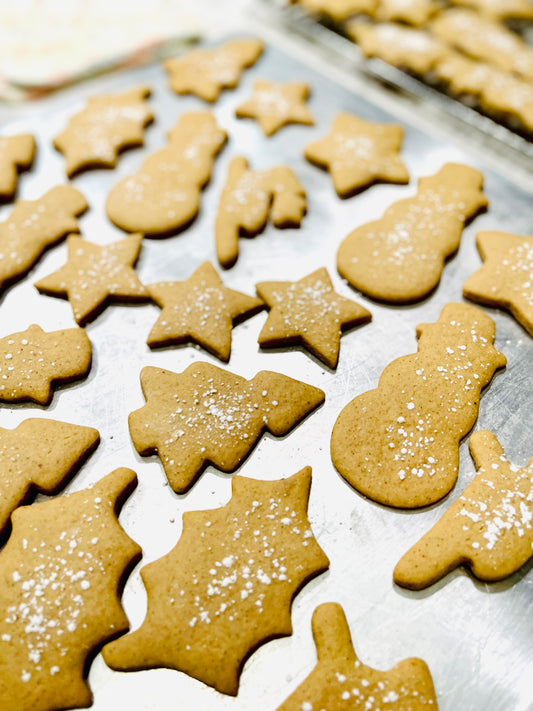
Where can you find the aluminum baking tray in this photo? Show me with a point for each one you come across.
(476, 638)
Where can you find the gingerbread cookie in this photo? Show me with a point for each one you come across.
(340, 682)
(205, 72)
(31, 361)
(399, 444)
(200, 309)
(400, 258)
(246, 201)
(40, 455)
(412, 12)
(358, 153)
(35, 225)
(308, 312)
(498, 10)
(274, 105)
(16, 154)
(96, 135)
(228, 584)
(164, 195)
(60, 574)
(488, 528)
(207, 415)
(94, 273)
(505, 278)
(337, 10)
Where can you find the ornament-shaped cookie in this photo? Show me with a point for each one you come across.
(399, 444)
(489, 527)
(227, 586)
(32, 361)
(400, 258)
(207, 415)
(248, 198)
(39, 455)
(164, 195)
(205, 72)
(107, 125)
(274, 105)
(35, 225)
(340, 682)
(506, 277)
(59, 576)
(16, 154)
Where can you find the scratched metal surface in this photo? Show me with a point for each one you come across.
(476, 638)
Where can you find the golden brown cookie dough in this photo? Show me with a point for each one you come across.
(110, 123)
(207, 415)
(60, 574)
(248, 197)
(308, 312)
(488, 528)
(399, 444)
(228, 584)
(205, 72)
(340, 682)
(412, 12)
(274, 105)
(358, 153)
(337, 10)
(163, 196)
(400, 257)
(500, 10)
(16, 154)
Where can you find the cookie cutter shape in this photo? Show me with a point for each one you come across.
(337, 10)
(340, 682)
(33, 360)
(205, 72)
(248, 197)
(40, 455)
(95, 273)
(163, 197)
(412, 12)
(60, 574)
(508, 10)
(488, 528)
(228, 584)
(35, 225)
(308, 312)
(200, 309)
(274, 105)
(358, 153)
(399, 444)
(207, 415)
(506, 277)
(16, 154)
(400, 257)
(108, 124)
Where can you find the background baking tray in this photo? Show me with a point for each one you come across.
(476, 638)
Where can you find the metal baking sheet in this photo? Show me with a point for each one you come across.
(476, 638)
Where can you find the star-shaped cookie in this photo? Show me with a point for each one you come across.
(274, 105)
(358, 153)
(506, 278)
(199, 309)
(308, 312)
(94, 273)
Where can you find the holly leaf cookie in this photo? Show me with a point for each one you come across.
(94, 273)
(400, 258)
(107, 125)
(31, 361)
(40, 455)
(274, 105)
(200, 309)
(205, 72)
(399, 444)
(506, 277)
(340, 682)
(207, 415)
(358, 153)
(60, 574)
(16, 154)
(35, 225)
(308, 312)
(248, 197)
(488, 528)
(228, 584)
